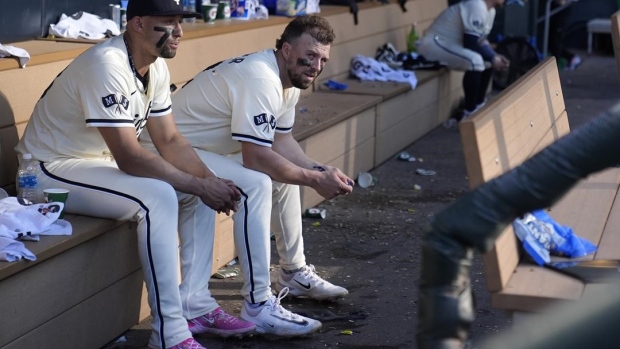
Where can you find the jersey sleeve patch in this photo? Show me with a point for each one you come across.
(118, 100)
(262, 119)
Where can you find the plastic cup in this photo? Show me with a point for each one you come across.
(209, 12)
(56, 195)
(365, 180)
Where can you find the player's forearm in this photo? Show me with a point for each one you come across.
(180, 154)
(150, 165)
(290, 149)
(278, 167)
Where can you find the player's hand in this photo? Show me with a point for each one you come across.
(500, 63)
(333, 183)
(221, 195)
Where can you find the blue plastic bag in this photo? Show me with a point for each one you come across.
(542, 236)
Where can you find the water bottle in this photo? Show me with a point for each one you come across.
(27, 179)
(412, 39)
(189, 5)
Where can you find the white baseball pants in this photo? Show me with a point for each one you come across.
(260, 195)
(98, 188)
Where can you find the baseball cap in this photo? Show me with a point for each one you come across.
(142, 8)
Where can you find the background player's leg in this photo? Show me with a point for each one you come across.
(286, 225)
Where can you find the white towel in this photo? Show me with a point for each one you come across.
(12, 250)
(84, 25)
(11, 51)
(17, 220)
(367, 68)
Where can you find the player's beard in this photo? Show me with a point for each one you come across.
(298, 79)
(167, 52)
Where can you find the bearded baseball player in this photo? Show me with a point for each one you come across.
(458, 38)
(95, 109)
(239, 114)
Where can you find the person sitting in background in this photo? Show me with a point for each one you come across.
(458, 38)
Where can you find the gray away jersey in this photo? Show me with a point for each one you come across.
(466, 17)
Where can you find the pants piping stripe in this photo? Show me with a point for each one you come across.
(148, 237)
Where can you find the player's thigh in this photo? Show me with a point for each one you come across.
(98, 188)
(453, 55)
(231, 167)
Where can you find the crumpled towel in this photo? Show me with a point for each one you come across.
(13, 250)
(17, 221)
(367, 68)
(11, 51)
(27, 223)
(84, 25)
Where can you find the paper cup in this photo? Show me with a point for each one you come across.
(365, 180)
(209, 12)
(223, 10)
(56, 195)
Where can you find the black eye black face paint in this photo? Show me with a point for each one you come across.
(167, 33)
(304, 62)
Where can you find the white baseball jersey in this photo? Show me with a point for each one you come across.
(240, 99)
(65, 120)
(466, 17)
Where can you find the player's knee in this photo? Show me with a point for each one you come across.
(477, 63)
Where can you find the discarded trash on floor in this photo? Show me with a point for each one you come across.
(347, 332)
(365, 180)
(417, 187)
(423, 172)
(226, 272)
(316, 224)
(316, 213)
(404, 156)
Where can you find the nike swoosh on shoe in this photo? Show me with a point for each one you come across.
(307, 287)
(302, 322)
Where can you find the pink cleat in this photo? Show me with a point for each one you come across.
(220, 323)
(189, 343)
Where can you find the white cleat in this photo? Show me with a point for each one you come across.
(272, 318)
(306, 283)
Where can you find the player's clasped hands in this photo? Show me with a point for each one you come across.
(333, 183)
(500, 63)
(221, 195)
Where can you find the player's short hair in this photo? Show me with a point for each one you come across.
(318, 27)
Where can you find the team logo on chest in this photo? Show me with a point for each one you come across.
(262, 119)
(115, 100)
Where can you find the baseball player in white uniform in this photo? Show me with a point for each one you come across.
(458, 38)
(94, 111)
(239, 114)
